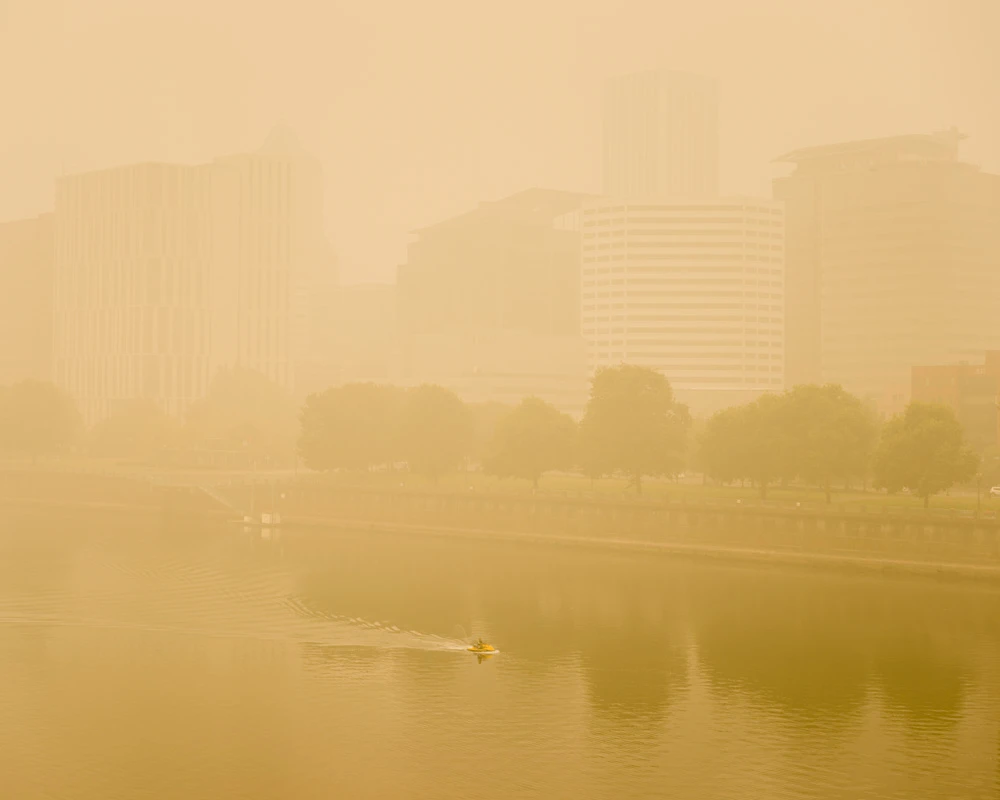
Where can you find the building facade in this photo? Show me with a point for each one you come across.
(893, 259)
(505, 366)
(972, 391)
(166, 273)
(505, 265)
(133, 305)
(26, 284)
(661, 136)
(272, 255)
(486, 295)
(694, 290)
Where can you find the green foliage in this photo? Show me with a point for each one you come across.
(435, 431)
(485, 417)
(923, 449)
(244, 410)
(828, 433)
(721, 452)
(633, 425)
(37, 418)
(748, 442)
(532, 439)
(815, 433)
(350, 427)
(990, 466)
(137, 430)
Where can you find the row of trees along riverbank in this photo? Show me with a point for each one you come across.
(633, 426)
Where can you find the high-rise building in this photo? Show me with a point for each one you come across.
(132, 286)
(661, 136)
(167, 273)
(694, 290)
(272, 253)
(482, 295)
(26, 264)
(893, 259)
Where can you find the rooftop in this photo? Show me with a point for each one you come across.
(943, 144)
(530, 205)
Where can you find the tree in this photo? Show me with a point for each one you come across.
(532, 439)
(485, 417)
(435, 430)
(136, 430)
(633, 424)
(830, 435)
(350, 427)
(748, 442)
(923, 449)
(245, 410)
(37, 418)
(721, 445)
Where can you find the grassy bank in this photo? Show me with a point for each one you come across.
(690, 490)
(683, 491)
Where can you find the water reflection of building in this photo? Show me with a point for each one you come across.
(893, 247)
(26, 264)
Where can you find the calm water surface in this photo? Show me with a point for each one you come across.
(142, 661)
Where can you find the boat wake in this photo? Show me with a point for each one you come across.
(187, 599)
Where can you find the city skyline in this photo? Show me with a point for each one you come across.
(537, 124)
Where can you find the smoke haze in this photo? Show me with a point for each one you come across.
(419, 111)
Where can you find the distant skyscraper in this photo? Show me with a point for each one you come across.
(661, 136)
(271, 253)
(133, 303)
(692, 290)
(26, 264)
(166, 273)
(893, 250)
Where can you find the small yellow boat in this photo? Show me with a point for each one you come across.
(482, 648)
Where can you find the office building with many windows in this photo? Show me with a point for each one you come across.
(692, 289)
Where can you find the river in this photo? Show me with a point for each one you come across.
(144, 660)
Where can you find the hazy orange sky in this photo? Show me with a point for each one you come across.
(420, 109)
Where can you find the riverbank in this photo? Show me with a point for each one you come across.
(955, 544)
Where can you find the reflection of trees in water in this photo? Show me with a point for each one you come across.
(544, 604)
(812, 644)
(778, 639)
(632, 672)
(414, 584)
(922, 679)
(815, 645)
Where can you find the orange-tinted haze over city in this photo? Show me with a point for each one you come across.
(420, 110)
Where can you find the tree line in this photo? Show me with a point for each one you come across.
(242, 410)
(823, 435)
(633, 426)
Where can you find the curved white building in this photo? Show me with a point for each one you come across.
(693, 289)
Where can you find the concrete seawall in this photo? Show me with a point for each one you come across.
(917, 543)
